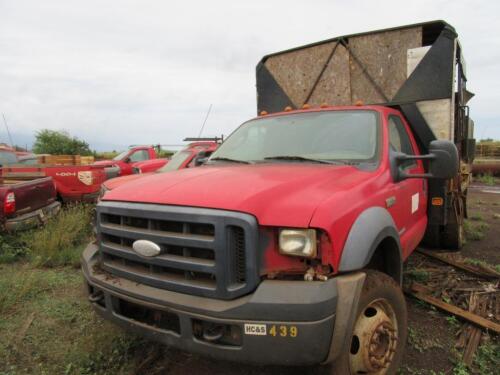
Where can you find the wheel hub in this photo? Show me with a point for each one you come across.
(374, 339)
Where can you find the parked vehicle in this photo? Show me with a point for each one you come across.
(194, 154)
(288, 246)
(25, 203)
(143, 157)
(72, 182)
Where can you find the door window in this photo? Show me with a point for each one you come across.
(399, 140)
(139, 155)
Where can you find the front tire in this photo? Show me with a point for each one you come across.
(379, 334)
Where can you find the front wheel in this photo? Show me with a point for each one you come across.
(379, 334)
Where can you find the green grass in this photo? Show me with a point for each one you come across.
(418, 275)
(59, 242)
(62, 239)
(453, 321)
(475, 231)
(476, 217)
(487, 358)
(11, 248)
(65, 336)
(487, 179)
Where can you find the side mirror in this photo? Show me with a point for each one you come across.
(126, 160)
(442, 157)
(200, 159)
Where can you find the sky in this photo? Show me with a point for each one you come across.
(122, 72)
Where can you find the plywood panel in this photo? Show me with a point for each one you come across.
(297, 71)
(334, 87)
(384, 56)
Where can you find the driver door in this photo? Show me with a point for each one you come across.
(409, 209)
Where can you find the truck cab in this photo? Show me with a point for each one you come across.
(124, 163)
(287, 246)
(192, 155)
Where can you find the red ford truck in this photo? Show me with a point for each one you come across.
(74, 183)
(123, 164)
(287, 246)
(25, 203)
(194, 154)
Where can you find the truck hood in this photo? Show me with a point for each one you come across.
(276, 194)
(119, 181)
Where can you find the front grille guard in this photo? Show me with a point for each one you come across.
(224, 277)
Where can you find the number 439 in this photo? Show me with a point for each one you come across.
(283, 331)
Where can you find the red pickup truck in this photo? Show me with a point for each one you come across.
(72, 182)
(144, 157)
(24, 204)
(194, 154)
(287, 246)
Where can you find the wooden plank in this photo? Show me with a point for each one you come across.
(484, 273)
(479, 307)
(420, 291)
(22, 175)
(85, 160)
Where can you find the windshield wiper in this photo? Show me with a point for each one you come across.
(230, 160)
(300, 158)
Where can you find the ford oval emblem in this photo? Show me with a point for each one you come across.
(146, 248)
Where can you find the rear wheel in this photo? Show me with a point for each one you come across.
(453, 236)
(378, 337)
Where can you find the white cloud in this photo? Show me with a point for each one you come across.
(123, 72)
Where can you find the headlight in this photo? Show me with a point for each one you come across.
(298, 242)
(103, 191)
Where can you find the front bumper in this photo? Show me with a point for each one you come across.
(280, 323)
(32, 219)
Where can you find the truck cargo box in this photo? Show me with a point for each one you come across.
(419, 68)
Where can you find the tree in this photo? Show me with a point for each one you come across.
(59, 143)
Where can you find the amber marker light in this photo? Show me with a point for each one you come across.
(306, 106)
(323, 105)
(437, 201)
(359, 103)
(288, 108)
(263, 113)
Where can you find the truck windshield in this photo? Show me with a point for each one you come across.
(175, 162)
(121, 155)
(344, 137)
(7, 157)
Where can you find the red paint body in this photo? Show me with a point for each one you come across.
(73, 183)
(69, 186)
(301, 195)
(147, 167)
(149, 162)
(23, 197)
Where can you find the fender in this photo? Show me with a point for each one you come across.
(371, 227)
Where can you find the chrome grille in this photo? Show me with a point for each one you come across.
(204, 251)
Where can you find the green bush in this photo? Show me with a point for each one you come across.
(60, 241)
